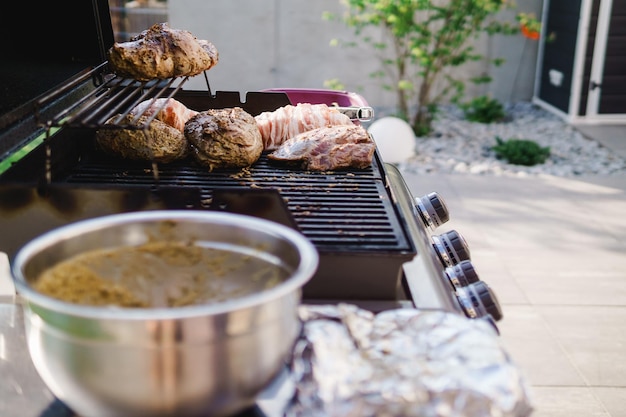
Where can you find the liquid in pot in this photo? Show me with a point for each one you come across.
(159, 274)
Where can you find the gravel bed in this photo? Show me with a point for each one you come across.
(464, 147)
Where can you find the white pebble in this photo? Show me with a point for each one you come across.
(459, 146)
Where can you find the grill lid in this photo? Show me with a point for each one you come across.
(52, 46)
(57, 46)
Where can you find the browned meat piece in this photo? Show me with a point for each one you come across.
(160, 142)
(171, 112)
(224, 138)
(328, 148)
(161, 52)
(288, 121)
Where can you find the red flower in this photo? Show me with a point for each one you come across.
(530, 34)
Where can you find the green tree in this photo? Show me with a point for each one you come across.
(422, 41)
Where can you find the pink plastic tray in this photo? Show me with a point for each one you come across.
(322, 96)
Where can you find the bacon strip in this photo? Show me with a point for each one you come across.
(288, 121)
(173, 112)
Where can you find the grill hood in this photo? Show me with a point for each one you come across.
(51, 46)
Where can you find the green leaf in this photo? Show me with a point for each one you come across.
(328, 16)
(405, 85)
(334, 84)
(484, 79)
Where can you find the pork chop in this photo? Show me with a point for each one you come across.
(328, 148)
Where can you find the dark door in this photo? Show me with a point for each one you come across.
(557, 70)
(607, 88)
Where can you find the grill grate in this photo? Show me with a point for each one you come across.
(338, 211)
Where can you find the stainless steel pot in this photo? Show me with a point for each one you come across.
(209, 359)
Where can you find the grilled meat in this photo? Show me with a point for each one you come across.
(224, 138)
(159, 142)
(170, 111)
(285, 122)
(162, 52)
(328, 148)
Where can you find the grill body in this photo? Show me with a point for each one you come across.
(349, 215)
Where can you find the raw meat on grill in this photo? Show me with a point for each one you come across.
(170, 111)
(162, 52)
(159, 142)
(328, 148)
(224, 138)
(285, 122)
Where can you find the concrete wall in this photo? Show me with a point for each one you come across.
(286, 43)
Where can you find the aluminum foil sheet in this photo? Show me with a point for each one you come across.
(404, 362)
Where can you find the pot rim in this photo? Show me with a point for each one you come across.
(306, 268)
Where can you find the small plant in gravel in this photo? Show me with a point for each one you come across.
(483, 109)
(521, 151)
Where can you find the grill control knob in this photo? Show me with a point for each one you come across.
(462, 274)
(451, 248)
(478, 301)
(488, 299)
(432, 209)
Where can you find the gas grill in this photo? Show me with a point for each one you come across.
(377, 243)
(349, 215)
